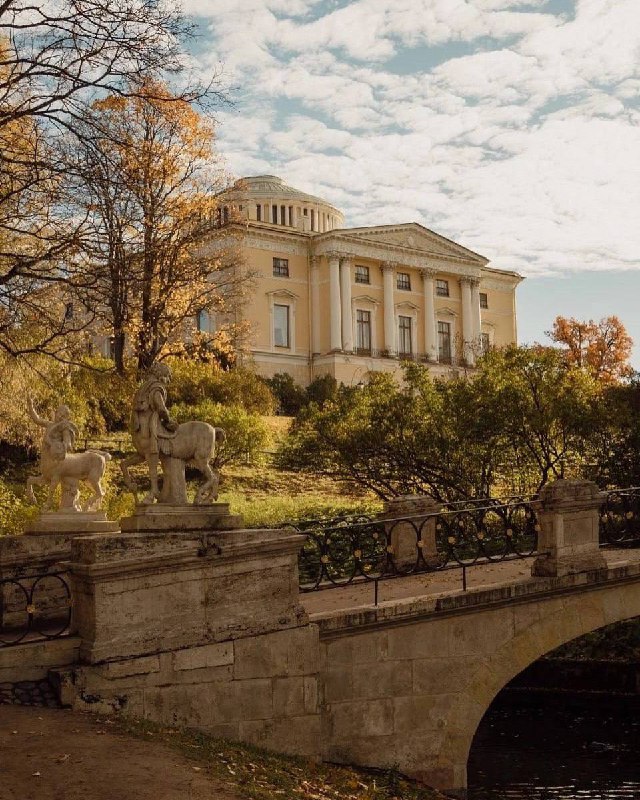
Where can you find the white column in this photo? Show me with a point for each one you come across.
(475, 312)
(345, 294)
(430, 330)
(334, 301)
(389, 315)
(467, 321)
(315, 305)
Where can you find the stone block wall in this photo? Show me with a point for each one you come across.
(199, 629)
(260, 689)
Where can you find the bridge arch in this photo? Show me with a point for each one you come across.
(554, 623)
(412, 687)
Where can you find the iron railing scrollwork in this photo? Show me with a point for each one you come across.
(620, 518)
(343, 550)
(34, 607)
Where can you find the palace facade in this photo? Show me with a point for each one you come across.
(346, 301)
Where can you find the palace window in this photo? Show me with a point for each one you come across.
(405, 347)
(281, 267)
(283, 215)
(485, 342)
(259, 212)
(362, 274)
(363, 331)
(403, 281)
(202, 321)
(281, 333)
(484, 303)
(442, 289)
(274, 214)
(444, 342)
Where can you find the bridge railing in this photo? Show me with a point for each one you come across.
(342, 551)
(461, 534)
(34, 607)
(620, 518)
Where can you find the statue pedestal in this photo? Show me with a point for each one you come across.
(71, 522)
(165, 518)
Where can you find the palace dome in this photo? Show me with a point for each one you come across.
(268, 199)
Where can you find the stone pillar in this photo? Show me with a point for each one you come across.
(467, 321)
(430, 331)
(345, 294)
(335, 312)
(143, 592)
(183, 624)
(416, 527)
(388, 269)
(569, 517)
(315, 305)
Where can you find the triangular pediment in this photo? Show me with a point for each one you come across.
(416, 237)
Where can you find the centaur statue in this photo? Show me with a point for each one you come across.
(159, 440)
(59, 466)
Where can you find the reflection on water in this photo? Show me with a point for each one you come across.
(543, 745)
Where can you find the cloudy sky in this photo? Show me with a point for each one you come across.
(511, 126)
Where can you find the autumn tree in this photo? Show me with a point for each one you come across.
(56, 57)
(148, 186)
(603, 348)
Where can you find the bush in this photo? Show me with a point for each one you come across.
(194, 381)
(322, 389)
(289, 395)
(247, 434)
(15, 512)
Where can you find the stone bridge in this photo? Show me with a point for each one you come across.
(208, 629)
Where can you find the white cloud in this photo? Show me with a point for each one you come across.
(526, 149)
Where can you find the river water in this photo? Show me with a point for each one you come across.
(543, 745)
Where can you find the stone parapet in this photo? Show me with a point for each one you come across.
(143, 593)
(569, 518)
(199, 628)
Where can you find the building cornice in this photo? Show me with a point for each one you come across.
(387, 252)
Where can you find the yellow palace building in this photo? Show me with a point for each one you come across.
(346, 301)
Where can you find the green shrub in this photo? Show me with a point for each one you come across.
(246, 434)
(289, 395)
(15, 512)
(322, 389)
(194, 381)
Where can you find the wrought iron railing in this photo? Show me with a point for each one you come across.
(620, 518)
(341, 551)
(33, 607)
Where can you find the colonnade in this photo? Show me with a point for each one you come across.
(341, 314)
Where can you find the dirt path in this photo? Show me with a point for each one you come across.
(48, 754)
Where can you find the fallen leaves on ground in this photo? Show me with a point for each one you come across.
(260, 774)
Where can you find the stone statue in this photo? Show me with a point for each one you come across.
(60, 466)
(159, 439)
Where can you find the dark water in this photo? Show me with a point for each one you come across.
(543, 745)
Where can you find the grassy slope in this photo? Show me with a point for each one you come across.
(267, 496)
(260, 775)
